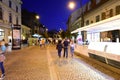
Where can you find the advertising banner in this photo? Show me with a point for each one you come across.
(16, 37)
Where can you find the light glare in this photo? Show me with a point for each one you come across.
(71, 5)
(37, 17)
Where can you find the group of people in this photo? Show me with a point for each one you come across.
(65, 45)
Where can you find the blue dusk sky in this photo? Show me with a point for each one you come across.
(53, 13)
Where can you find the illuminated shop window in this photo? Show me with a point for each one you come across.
(1, 33)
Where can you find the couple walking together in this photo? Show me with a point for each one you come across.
(65, 45)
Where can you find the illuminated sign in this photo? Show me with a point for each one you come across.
(16, 37)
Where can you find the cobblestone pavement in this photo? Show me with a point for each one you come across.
(35, 63)
(76, 69)
(27, 64)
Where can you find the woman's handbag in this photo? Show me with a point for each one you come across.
(2, 58)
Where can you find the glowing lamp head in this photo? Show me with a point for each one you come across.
(71, 5)
(37, 17)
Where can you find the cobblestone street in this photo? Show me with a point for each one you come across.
(27, 64)
(76, 69)
(35, 63)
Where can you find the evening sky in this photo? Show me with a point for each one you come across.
(53, 13)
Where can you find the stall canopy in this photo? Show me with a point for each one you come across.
(109, 24)
(37, 35)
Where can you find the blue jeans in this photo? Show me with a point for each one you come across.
(2, 67)
(65, 52)
(72, 50)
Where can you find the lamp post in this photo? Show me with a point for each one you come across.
(71, 6)
(37, 17)
(82, 22)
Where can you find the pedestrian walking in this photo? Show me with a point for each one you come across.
(43, 42)
(2, 57)
(72, 47)
(40, 43)
(59, 48)
(66, 44)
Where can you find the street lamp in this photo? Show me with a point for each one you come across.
(37, 17)
(36, 25)
(71, 5)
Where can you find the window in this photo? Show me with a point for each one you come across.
(87, 22)
(97, 18)
(1, 33)
(103, 16)
(111, 12)
(10, 17)
(16, 20)
(91, 21)
(16, 8)
(10, 4)
(117, 9)
(1, 15)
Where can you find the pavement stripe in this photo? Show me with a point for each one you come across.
(53, 73)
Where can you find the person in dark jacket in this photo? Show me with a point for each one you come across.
(66, 44)
(59, 48)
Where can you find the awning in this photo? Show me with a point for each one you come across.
(37, 35)
(109, 24)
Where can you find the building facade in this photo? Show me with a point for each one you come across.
(97, 12)
(25, 32)
(102, 26)
(102, 13)
(10, 14)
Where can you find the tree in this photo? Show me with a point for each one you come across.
(68, 34)
(63, 34)
(52, 33)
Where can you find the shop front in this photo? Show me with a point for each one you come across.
(5, 33)
(2, 33)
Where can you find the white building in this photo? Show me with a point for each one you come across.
(10, 14)
(102, 22)
(102, 26)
